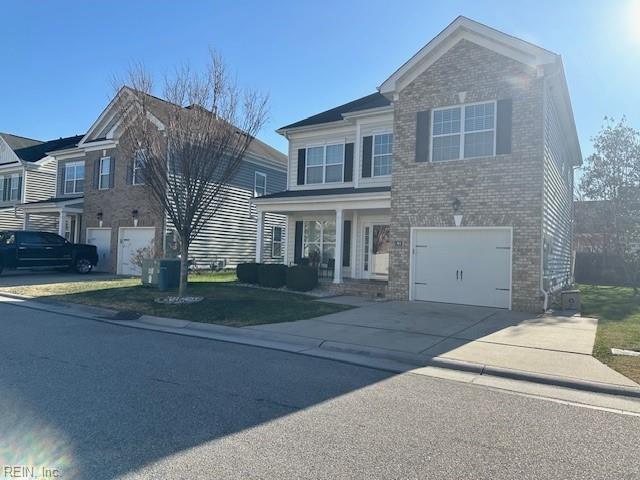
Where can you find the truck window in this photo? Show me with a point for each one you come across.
(33, 238)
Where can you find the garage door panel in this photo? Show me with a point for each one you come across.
(465, 266)
(131, 240)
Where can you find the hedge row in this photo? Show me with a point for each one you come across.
(300, 278)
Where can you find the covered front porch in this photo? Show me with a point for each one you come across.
(343, 232)
(57, 215)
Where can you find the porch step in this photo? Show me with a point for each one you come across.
(360, 288)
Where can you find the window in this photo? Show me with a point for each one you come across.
(10, 187)
(382, 154)
(52, 238)
(276, 242)
(105, 173)
(319, 240)
(259, 184)
(467, 131)
(74, 177)
(325, 164)
(139, 161)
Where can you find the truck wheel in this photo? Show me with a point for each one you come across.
(82, 265)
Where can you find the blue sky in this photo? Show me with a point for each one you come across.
(59, 57)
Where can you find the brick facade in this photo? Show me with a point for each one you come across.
(505, 190)
(117, 203)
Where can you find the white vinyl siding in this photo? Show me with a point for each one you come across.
(325, 163)
(465, 131)
(74, 177)
(105, 172)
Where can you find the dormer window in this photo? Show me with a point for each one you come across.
(325, 163)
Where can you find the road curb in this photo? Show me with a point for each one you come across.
(356, 354)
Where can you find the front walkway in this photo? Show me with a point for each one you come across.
(554, 346)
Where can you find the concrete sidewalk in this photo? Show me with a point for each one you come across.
(476, 345)
(551, 346)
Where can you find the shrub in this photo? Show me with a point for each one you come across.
(302, 278)
(247, 272)
(272, 275)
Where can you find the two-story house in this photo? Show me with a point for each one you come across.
(103, 192)
(28, 176)
(452, 183)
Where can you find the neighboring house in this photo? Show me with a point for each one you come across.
(28, 176)
(452, 183)
(120, 216)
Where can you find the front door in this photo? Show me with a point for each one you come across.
(376, 251)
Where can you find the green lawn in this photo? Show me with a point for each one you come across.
(618, 312)
(225, 302)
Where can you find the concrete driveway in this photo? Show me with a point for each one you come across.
(12, 278)
(558, 346)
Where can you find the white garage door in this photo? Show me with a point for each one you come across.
(132, 242)
(101, 238)
(466, 266)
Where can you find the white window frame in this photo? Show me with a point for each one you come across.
(278, 242)
(101, 174)
(321, 241)
(324, 162)
(462, 132)
(15, 177)
(255, 183)
(73, 166)
(135, 168)
(373, 154)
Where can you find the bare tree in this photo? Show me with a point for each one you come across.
(188, 145)
(612, 175)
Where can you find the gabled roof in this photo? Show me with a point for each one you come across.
(161, 109)
(40, 150)
(16, 142)
(476, 32)
(374, 100)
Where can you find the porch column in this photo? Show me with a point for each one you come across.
(259, 236)
(25, 221)
(337, 272)
(61, 222)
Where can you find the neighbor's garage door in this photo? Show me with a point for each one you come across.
(462, 265)
(134, 242)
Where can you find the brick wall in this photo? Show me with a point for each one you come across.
(117, 203)
(505, 190)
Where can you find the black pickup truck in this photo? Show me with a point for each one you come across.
(21, 249)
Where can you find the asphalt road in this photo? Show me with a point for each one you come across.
(98, 401)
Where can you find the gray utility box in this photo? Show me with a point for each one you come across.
(571, 300)
(151, 272)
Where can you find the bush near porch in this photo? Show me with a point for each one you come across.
(299, 278)
(225, 302)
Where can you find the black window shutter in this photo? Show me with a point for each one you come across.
(20, 184)
(61, 172)
(348, 162)
(503, 126)
(346, 244)
(96, 173)
(367, 153)
(130, 172)
(297, 250)
(112, 172)
(302, 164)
(423, 133)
